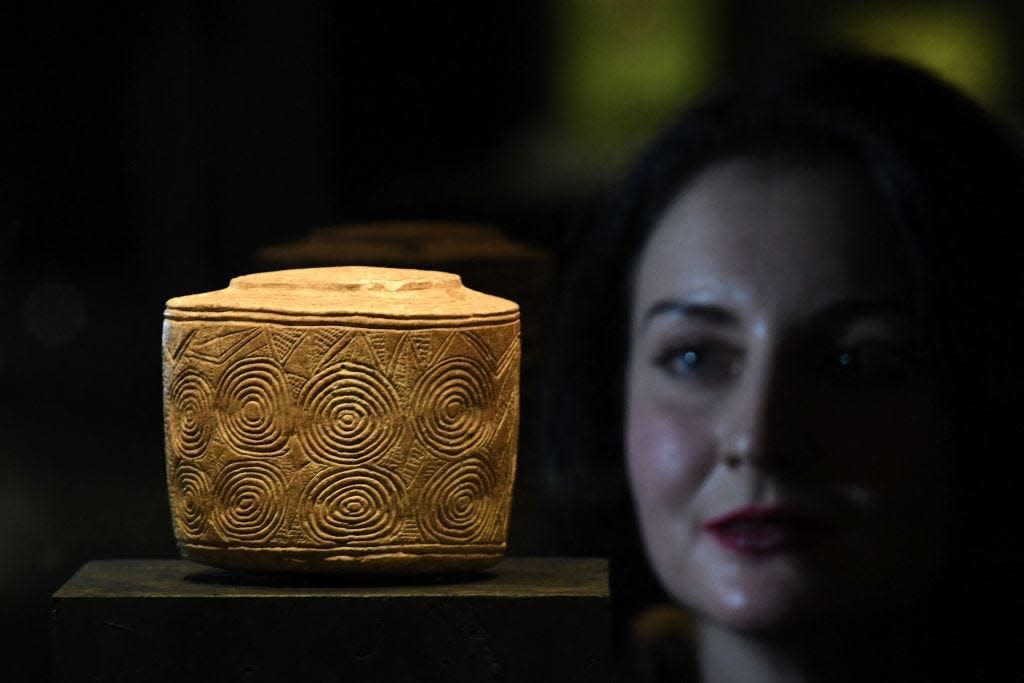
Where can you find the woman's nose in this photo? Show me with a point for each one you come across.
(764, 422)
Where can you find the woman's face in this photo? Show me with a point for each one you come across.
(783, 442)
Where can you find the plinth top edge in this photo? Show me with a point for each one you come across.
(346, 291)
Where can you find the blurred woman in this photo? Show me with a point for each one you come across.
(797, 330)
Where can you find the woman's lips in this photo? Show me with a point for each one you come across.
(766, 530)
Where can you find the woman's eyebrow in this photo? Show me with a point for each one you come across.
(689, 309)
(845, 311)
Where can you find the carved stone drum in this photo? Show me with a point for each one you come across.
(348, 419)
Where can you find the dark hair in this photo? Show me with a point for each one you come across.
(951, 177)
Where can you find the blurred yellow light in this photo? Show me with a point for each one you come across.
(961, 42)
(627, 65)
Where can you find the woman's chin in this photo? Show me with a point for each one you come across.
(744, 613)
(757, 601)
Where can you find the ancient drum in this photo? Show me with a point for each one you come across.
(346, 419)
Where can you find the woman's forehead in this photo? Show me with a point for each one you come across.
(745, 229)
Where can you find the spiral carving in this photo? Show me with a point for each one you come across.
(459, 502)
(249, 495)
(306, 443)
(190, 414)
(359, 505)
(451, 402)
(253, 401)
(193, 500)
(353, 415)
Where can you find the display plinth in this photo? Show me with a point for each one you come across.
(527, 619)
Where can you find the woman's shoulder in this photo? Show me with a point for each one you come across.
(661, 646)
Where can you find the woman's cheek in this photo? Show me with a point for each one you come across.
(668, 458)
(668, 453)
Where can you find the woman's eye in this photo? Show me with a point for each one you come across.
(706, 363)
(870, 362)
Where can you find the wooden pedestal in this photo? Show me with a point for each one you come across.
(528, 619)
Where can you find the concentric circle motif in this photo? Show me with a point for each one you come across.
(360, 505)
(459, 503)
(190, 420)
(248, 501)
(352, 415)
(192, 502)
(451, 403)
(253, 403)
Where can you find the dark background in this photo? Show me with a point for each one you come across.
(149, 150)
